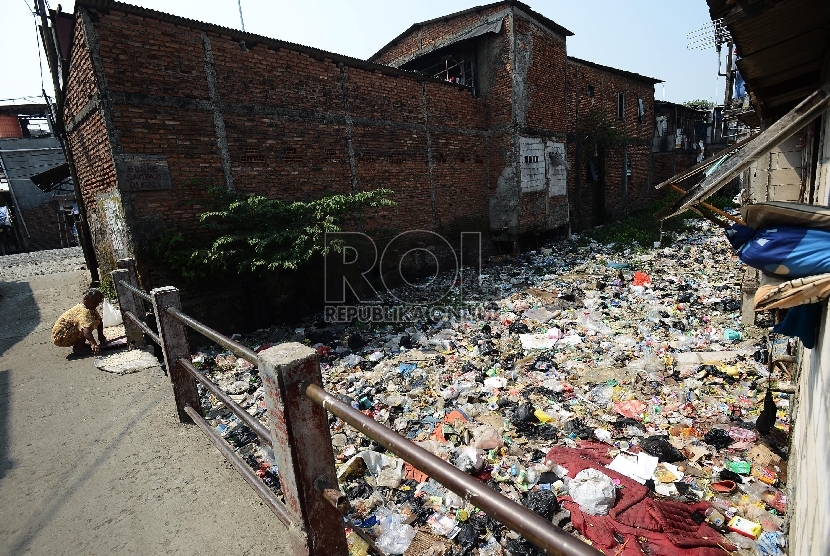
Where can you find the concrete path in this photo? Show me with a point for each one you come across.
(97, 463)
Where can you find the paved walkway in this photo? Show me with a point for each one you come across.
(95, 463)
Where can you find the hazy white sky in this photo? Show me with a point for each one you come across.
(643, 36)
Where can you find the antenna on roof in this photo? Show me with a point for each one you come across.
(239, 3)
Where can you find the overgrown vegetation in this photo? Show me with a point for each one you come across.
(251, 234)
(107, 288)
(640, 230)
(699, 104)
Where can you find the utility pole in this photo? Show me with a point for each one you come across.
(52, 56)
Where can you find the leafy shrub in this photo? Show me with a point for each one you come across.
(256, 235)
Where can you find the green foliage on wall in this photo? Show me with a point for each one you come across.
(261, 236)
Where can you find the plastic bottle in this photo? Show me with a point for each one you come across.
(714, 517)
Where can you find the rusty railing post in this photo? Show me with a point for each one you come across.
(128, 301)
(302, 446)
(174, 346)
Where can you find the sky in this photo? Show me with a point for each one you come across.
(648, 37)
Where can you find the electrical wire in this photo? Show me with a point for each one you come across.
(39, 53)
(27, 97)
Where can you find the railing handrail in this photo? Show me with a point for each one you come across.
(238, 349)
(267, 495)
(530, 525)
(513, 515)
(147, 297)
(142, 325)
(249, 420)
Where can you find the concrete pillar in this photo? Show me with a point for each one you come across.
(128, 301)
(175, 346)
(749, 286)
(302, 445)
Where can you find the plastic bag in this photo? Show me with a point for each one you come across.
(111, 315)
(470, 459)
(593, 491)
(718, 438)
(642, 279)
(543, 502)
(660, 447)
(395, 537)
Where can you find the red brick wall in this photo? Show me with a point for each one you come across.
(538, 104)
(423, 36)
(89, 143)
(606, 87)
(283, 113)
(545, 79)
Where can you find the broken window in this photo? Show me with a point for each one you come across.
(591, 91)
(457, 68)
(532, 156)
(620, 106)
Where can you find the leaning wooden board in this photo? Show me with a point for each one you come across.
(780, 213)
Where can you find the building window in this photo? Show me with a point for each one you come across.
(641, 110)
(620, 106)
(628, 166)
(591, 91)
(593, 174)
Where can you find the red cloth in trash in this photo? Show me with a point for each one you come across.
(663, 528)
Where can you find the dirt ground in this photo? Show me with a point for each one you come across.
(96, 463)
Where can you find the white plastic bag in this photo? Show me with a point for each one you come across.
(593, 491)
(395, 536)
(111, 315)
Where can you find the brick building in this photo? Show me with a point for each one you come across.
(469, 118)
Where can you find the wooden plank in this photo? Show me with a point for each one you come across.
(700, 166)
(778, 132)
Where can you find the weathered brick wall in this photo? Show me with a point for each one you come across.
(606, 85)
(543, 74)
(539, 108)
(293, 123)
(670, 164)
(423, 36)
(42, 226)
(89, 143)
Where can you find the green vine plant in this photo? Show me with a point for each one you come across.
(261, 236)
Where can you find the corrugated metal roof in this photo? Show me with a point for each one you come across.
(547, 22)
(23, 158)
(628, 74)
(782, 44)
(105, 6)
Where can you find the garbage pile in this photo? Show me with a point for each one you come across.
(615, 393)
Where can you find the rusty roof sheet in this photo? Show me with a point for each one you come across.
(547, 22)
(781, 44)
(609, 69)
(104, 6)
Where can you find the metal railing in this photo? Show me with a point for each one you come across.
(299, 434)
